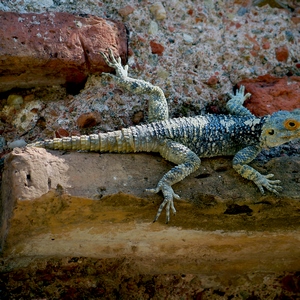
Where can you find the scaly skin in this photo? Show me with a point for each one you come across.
(184, 141)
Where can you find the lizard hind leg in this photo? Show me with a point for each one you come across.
(157, 107)
(187, 162)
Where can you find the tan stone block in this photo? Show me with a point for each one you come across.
(90, 205)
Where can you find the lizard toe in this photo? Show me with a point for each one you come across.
(168, 202)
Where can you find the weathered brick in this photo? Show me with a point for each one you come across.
(55, 48)
(270, 94)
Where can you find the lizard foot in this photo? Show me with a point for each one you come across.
(239, 96)
(168, 202)
(115, 63)
(271, 185)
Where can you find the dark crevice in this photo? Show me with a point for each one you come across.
(203, 175)
(74, 88)
(221, 169)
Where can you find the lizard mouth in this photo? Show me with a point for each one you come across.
(290, 137)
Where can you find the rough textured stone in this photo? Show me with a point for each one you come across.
(295, 20)
(138, 117)
(126, 11)
(55, 48)
(213, 80)
(282, 53)
(88, 119)
(157, 48)
(105, 194)
(60, 132)
(270, 94)
(29, 174)
(158, 10)
(220, 44)
(118, 278)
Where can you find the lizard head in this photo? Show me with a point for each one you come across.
(281, 127)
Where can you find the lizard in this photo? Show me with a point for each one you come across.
(184, 141)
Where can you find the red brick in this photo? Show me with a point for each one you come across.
(88, 120)
(213, 80)
(295, 20)
(266, 45)
(157, 48)
(282, 53)
(270, 94)
(55, 48)
(60, 132)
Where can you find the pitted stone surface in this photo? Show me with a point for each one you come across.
(105, 194)
(27, 175)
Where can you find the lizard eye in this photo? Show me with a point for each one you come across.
(291, 124)
(271, 131)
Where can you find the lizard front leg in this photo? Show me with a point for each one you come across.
(158, 107)
(235, 104)
(187, 161)
(245, 156)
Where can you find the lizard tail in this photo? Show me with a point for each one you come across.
(120, 141)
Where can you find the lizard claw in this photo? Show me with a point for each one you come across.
(239, 96)
(115, 63)
(271, 185)
(168, 202)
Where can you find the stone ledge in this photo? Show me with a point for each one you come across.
(97, 207)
